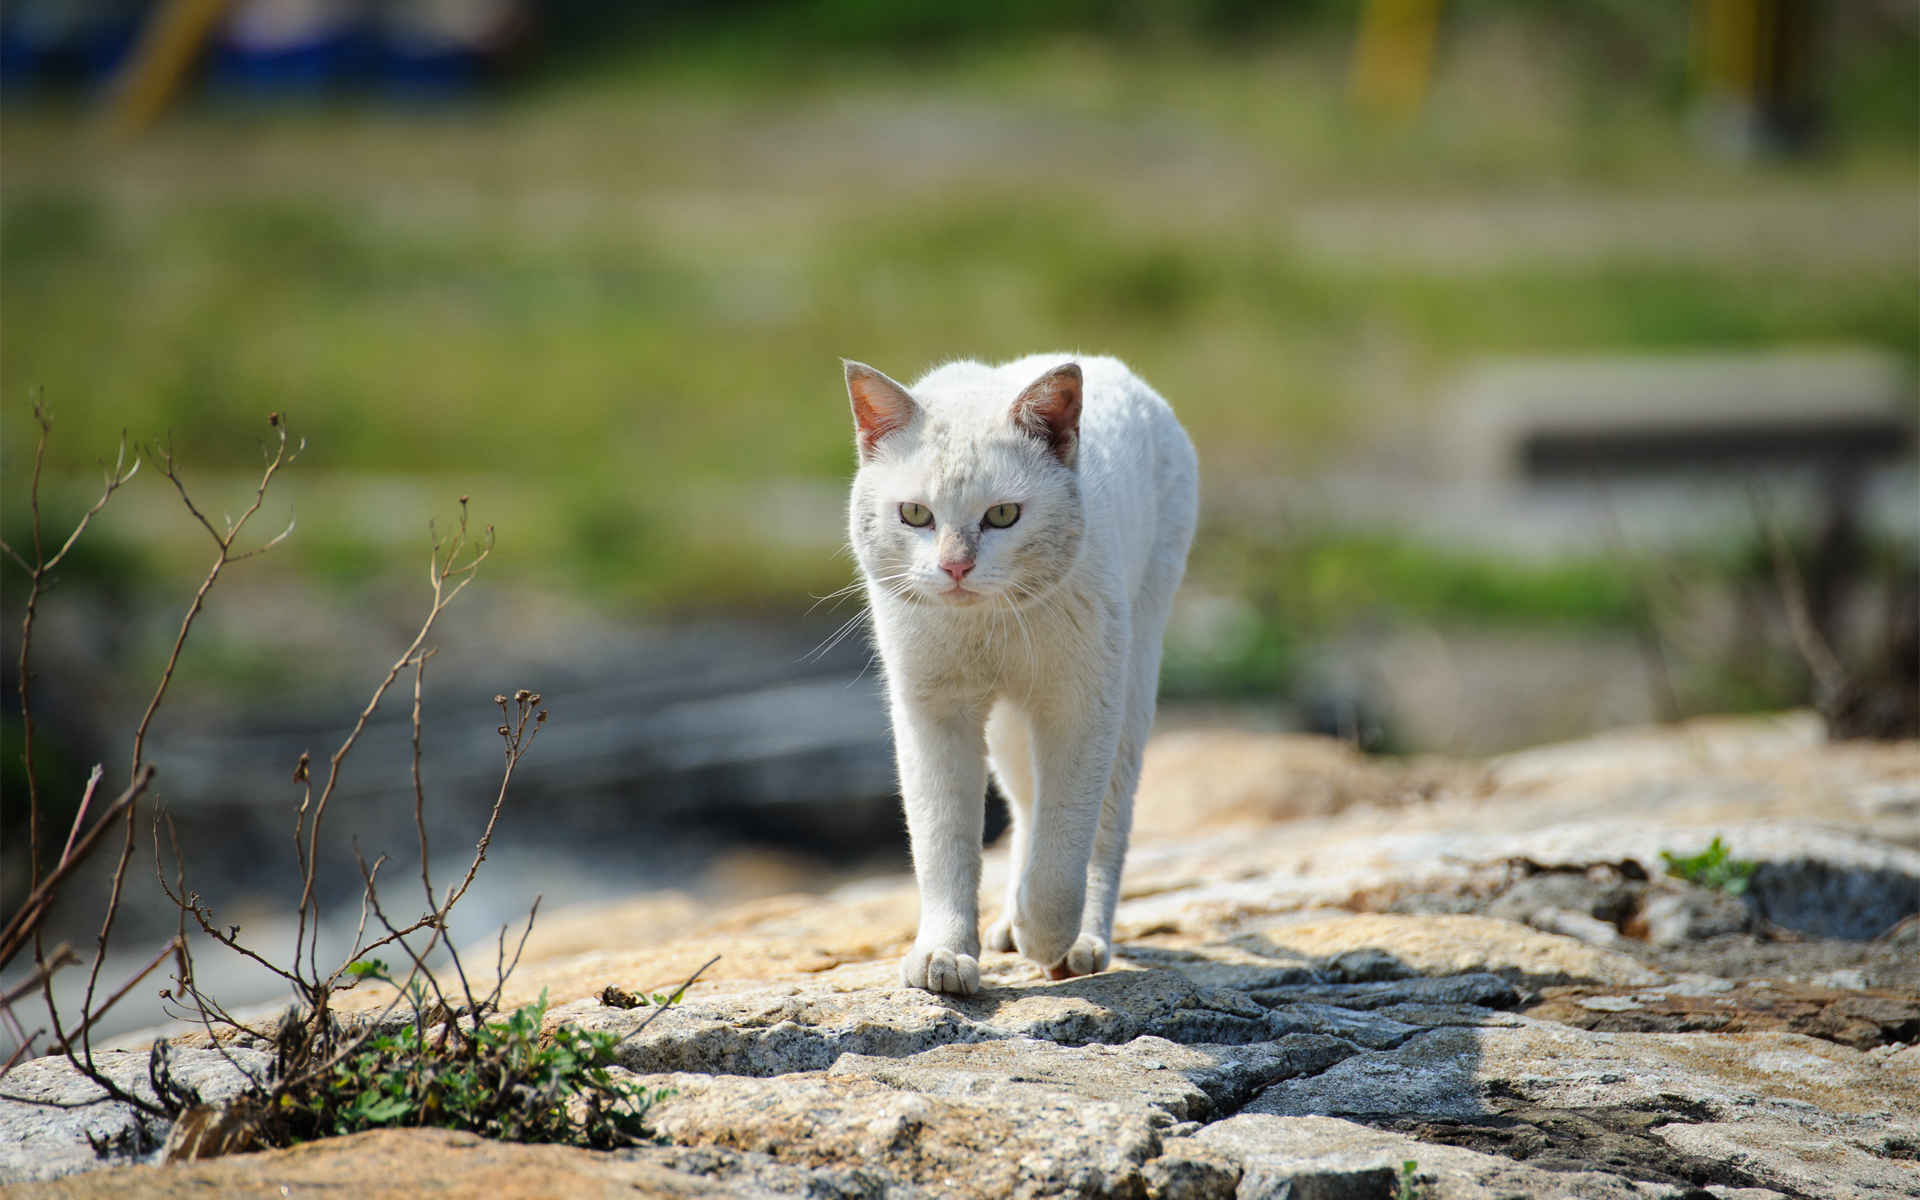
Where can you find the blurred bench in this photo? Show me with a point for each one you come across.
(1840, 412)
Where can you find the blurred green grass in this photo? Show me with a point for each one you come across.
(610, 306)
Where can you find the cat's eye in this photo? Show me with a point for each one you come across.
(1002, 515)
(917, 515)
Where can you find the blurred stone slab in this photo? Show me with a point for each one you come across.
(1862, 1019)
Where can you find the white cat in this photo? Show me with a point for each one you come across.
(1022, 530)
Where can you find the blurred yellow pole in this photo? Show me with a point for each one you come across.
(1756, 71)
(160, 61)
(1393, 58)
(1727, 44)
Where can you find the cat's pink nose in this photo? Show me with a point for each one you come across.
(957, 569)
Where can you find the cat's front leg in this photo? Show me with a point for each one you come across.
(1072, 761)
(943, 779)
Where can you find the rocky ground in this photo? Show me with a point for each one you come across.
(1334, 979)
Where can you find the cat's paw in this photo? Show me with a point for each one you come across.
(1041, 946)
(941, 971)
(1000, 933)
(1089, 956)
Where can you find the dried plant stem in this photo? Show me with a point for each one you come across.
(448, 577)
(21, 928)
(170, 950)
(672, 999)
(311, 1042)
(1830, 681)
(38, 571)
(64, 955)
(279, 457)
(518, 735)
(1646, 625)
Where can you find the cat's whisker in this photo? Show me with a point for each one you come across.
(838, 635)
(864, 667)
(836, 596)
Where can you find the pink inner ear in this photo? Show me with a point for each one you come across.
(1049, 408)
(880, 406)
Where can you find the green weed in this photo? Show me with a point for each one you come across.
(1409, 1188)
(1714, 868)
(499, 1078)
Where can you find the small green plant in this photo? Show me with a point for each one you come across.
(1409, 1182)
(497, 1078)
(1714, 868)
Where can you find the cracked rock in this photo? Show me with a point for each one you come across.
(1477, 989)
(1183, 1083)
(767, 1034)
(1793, 1113)
(1029, 1144)
(62, 1122)
(1286, 1157)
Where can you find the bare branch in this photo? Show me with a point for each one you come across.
(64, 955)
(116, 478)
(419, 787)
(502, 968)
(1830, 680)
(28, 918)
(79, 818)
(444, 568)
(171, 949)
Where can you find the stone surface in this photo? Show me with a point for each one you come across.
(54, 1121)
(1328, 967)
(412, 1163)
(1285, 1157)
(1477, 988)
(1018, 1142)
(1182, 1083)
(1676, 916)
(781, 1031)
(1202, 778)
(1375, 946)
(1849, 1016)
(1792, 1113)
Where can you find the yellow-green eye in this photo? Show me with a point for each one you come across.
(1002, 515)
(917, 515)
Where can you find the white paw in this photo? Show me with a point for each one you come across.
(1000, 933)
(941, 971)
(1088, 956)
(1042, 946)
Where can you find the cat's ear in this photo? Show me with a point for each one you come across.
(880, 406)
(1050, 410)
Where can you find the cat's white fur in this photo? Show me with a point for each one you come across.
(1041, 659)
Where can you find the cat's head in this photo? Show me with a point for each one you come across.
(967, 492)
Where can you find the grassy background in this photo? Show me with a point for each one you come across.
(608, 303)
